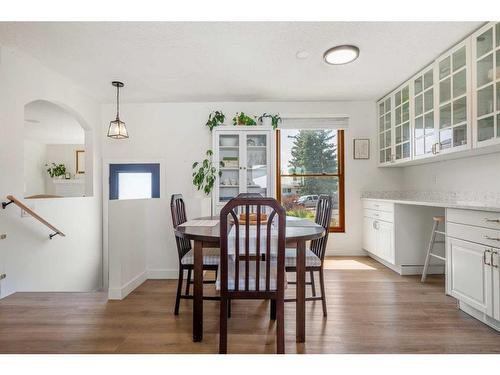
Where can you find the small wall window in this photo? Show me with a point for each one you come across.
(134, 181)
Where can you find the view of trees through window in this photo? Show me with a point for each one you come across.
(311, 164)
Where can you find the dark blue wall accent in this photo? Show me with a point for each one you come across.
(114, 169)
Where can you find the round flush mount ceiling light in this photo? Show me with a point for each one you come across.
(340, 55)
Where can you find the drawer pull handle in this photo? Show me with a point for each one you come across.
(492, 257)
(491, 220)
(484, 257)
(486, 237)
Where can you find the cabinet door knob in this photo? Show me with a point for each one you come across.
(491, 220)
(486, 237)
(484, 257)
(492, 257)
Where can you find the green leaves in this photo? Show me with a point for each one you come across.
(242, 119)
(204, 174)
(215, 119)
(56, 170)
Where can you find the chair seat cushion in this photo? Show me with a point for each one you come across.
(211, 257)
(312, 259)
(251, 276)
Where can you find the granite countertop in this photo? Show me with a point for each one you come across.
(434, 200)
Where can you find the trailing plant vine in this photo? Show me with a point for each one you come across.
(215, 119)
(205, 173)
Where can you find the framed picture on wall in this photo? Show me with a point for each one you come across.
(80, 161)
(361, 148)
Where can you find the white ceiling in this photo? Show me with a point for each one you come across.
(238, 61)
(47, 123)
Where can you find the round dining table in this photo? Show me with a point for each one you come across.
(298, 232)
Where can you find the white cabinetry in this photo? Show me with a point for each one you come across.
(248, 156)
(472, 252)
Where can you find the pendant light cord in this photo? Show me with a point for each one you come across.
(117, 101)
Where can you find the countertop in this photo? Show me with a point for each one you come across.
(478, 206)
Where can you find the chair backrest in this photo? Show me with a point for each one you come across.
(323, 217)
(267, 223)
(178, 210)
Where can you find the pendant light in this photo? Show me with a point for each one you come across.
(117, 128)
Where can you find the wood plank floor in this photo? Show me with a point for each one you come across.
(370, 310)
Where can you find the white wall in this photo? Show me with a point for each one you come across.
(35, 157)
(478, 174)
(176, 133)
(31, 261)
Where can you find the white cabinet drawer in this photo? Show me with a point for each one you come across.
(484, 236)
(378, 205)
(379, 215)
(478, 218)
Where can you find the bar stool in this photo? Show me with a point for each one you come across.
(437, 220)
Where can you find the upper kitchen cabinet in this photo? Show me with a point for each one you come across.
(424, 114)
(486, 85)
(453, 100)
(402, 124)
(385, 130)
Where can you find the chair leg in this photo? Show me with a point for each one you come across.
(188, 284)
(273, 309)
(179, 291)
(223, 326)
(280, 325)
(322, 285)
(429, 250)
(313, 286)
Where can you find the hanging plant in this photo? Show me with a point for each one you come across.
(268, 119)
(205, 173)
(242, 119)
(56, 170)
(215, 119)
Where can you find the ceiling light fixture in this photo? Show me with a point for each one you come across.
(117, 128)
(340, 55)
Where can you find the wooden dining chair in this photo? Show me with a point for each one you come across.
(315, 254)
(243, 274)
(186, 256)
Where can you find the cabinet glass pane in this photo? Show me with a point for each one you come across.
(228, 141)
(485, 128)
(398, 152)
(429, 123)
(459, 59)
(419, 105)
(398, 116)
(257, 162)
(498, 96)
(444, 90)
(459, 110)
(388, 121)
(406, 131)
(445, 138)
(419, 146)
(497, 76)
(388, 155)
(418, 85)
(398, 134)
(459, 83)
(406, 111)
(428, 79)
(429, 141)
(459, 135)
(388, 138)
(382, 156)
(381, 108)
(381, 141)
(498, 122)
(381, 124)
(387, 104)
(484, 42)
(485, 101)
(406, 94)
(406, 150)
(445, 116)
(485, 70)
(397, 98)
(498, 34)
(419, 126)
(428, 100)
(444, 68)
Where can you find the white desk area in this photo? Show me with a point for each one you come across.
(396, 233)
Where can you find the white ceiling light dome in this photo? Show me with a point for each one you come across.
(340, 55)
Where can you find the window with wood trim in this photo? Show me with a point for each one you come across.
(310, 162)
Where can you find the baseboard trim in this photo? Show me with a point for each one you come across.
(495, 324)
(407, 270)
(161, 274)
(125, 290)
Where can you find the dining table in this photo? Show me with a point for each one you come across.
(298, 232)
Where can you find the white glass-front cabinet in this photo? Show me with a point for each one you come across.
(453, 100)
(402, 150)
(247, 155)
(486, 82)
(385, 130)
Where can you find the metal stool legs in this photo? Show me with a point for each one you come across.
(429, 254)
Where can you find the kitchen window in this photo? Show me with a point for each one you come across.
(134, 181)
(311, 163)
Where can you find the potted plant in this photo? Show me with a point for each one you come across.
(242, 119)
(215, 119)
(57, 170)
(270, 120)
(204, 175)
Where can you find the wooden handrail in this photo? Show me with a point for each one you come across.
(28, 210)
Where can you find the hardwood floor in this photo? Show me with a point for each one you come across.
(370, 310)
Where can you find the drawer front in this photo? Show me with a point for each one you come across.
(379, 206)
(478, 218)
(483, 236)
(379, 215)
